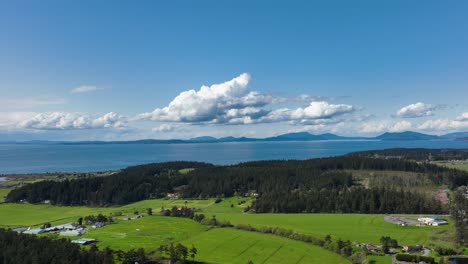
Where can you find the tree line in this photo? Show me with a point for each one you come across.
(315, 185)
(419, 154)
(20, 248)
(132, 184)
(459, 212)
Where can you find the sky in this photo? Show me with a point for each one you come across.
(124, 70)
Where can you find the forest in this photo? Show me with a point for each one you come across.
(20, 248)
(419, 154)
(282, 186)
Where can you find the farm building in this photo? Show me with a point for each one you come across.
(68, 226)
(77, 232)
(172, 196)
(432, 221)
(84, 241)
(373, 248)
(34, 231)
(19, 229)
(413, 248)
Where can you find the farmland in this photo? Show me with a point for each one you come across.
(153, 231)
(148, 232)
(241, 246)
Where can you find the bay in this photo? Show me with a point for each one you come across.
(41, 158)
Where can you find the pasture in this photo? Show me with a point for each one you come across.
(13, 215)
(148, 232)
(363, 228)
(237, 246)
(221, 245)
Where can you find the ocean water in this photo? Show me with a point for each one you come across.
(30, 158)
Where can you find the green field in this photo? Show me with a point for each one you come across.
(238, 246)
(13, 215)
(361, 228)
(3, 192)
(379, 259)
(148, 232)
(221, 245)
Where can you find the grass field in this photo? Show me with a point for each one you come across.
(355, 227)
(238, 246)
(228, 244)
(3, 192)
(148, 232)
(379, 259)
(13, 215)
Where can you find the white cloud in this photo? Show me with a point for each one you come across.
(165, 128)
(211, 104)
(443, 125)
(65, 121)
(400, 126)
(314, 111)
(86, 88)
(463, 117)
(232, 102)
(385, 126)
(416, 110)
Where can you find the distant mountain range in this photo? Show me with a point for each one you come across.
(299, 136)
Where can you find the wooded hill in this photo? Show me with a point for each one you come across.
(316, 185)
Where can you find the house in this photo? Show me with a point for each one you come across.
(84, 241)
(373, 248)
(251, 193)
(413, 248)
(172, 196)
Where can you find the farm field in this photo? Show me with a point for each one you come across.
(13, 215)
(361, 228)
(151, 232)
(148, 232)
(239, 246)
(355, 227)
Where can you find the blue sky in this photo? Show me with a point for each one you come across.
(85, 70)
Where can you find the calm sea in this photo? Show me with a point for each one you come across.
(18, 158)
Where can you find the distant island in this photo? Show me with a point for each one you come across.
(298, 136)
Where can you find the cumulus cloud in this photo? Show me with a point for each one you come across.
(64, 121)
(232, 102)
(314, 111)
(211, 104)
(416, 110)
(443, 125)
(86, 88)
